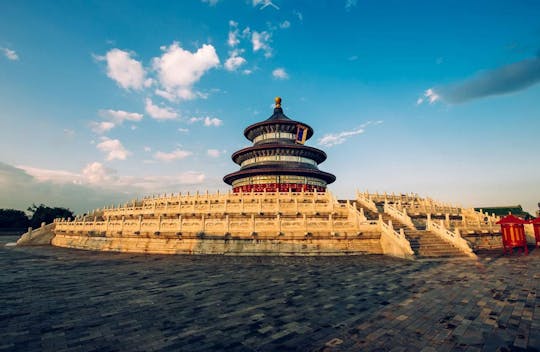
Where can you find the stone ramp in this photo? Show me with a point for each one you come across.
(38, 237)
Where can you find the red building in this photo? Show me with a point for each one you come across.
(513, 233)
(536, 226)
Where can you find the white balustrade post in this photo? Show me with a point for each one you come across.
(331, 222)
(180, 223)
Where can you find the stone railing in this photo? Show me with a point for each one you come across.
(470, 214)
(452, 237)
(297, 225)
(390, 197)
(366, 202)
(271, 202)
(394, 243)
(399, 215)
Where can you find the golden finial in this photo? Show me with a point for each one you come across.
(278, 102)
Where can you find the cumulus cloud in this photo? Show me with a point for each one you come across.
(261, 41)
(207, 121)
(101, 127)
(502, 80)
(212, 121)
(10, 54)
(122, 68)
(280, 73)
(178, 69)
(234, 61)
(120, 116)
(96, 173)
(113, 148)
(159, 113)
(332, 139)
(177, 154)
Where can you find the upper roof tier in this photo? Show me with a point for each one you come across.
(278, 122)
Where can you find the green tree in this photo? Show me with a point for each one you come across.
(43, 213)
(13, 219)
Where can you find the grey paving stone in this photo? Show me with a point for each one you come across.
(56, 299)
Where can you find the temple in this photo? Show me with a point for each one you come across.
(279, 204)
(278, 160)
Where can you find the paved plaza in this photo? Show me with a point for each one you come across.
(55, 299)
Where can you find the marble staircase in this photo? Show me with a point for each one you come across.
(424, 243)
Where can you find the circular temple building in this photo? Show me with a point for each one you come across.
(278, 160)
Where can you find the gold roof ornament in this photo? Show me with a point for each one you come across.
(278, 102)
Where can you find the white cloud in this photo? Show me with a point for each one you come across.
(233, 40)
(264, 4)
(210, 2)
(96, 173)
(207, 121)
(285, 24)
(119, 116)
(260, 41)
(429, 95)
(54, 176)
(299, 15)
(10, 54)
(159, 113)
(214, 153)
(113, 148)
(126, 71)
(93, 187)
(177, 154)
(178, 69)
(101, 127)
(147, 149)
(165, 94)
(332, 139)
(234, 62)
(247, 72)
(183, 130)
(280, 73)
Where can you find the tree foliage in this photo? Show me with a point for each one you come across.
(43, 213)
(13, 219)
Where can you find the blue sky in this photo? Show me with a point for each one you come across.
(101, 101)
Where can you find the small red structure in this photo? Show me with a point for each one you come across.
(513, 233)
(536, 226)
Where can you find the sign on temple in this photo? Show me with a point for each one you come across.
(278, 160)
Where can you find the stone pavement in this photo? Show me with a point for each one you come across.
(55, 299)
